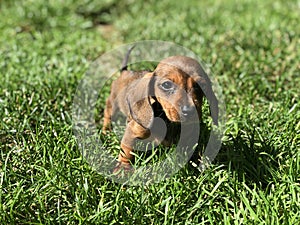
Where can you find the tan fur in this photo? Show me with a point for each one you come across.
(141, 95)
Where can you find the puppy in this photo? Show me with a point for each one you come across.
(173, 92)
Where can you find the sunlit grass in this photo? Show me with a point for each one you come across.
(252, 48)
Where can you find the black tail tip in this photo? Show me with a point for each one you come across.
(125, 60)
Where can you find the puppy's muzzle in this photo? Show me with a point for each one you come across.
(188, 113)
(187, 110)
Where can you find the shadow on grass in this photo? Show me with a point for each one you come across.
(253, 160)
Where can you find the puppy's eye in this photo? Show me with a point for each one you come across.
(167, 85)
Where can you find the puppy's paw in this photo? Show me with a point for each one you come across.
(123, 168)
(105, 130)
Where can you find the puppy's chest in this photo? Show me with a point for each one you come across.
(163, 129)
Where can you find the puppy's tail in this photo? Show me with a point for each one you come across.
(125, 60)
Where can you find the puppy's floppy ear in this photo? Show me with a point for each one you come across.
(213, 104)
(206, 87)
(139, 101)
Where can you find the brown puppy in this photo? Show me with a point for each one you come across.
(173, 92)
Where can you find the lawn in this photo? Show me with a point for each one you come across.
(251, 46)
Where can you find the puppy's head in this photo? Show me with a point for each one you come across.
(178, 84)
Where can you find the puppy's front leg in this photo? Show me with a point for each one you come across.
(133, 132)
(107, 116)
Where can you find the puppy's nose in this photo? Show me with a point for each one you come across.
(187, 110)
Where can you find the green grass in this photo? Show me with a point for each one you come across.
(253, 49)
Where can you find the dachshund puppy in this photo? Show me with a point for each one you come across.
(172, 93)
